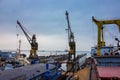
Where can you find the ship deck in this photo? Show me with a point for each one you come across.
(107, 67)
(83, 74)
(108, 72)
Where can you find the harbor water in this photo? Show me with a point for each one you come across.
(48, 53)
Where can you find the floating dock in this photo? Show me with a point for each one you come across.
(25, 73)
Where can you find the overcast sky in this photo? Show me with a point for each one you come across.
(46, 19)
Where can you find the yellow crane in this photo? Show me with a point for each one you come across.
(100, 24)
(32, 41)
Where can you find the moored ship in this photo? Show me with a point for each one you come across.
(106, 59)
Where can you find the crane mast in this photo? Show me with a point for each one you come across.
(70, 38)
(32, 41)
(100, 31)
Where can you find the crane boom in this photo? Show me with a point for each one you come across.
(27, 36)
(100, 30)
(68, 22)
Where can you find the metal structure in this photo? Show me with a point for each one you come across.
(72, 47)
(117, 42)
(100, 31)
(19, 47)
(32, 41)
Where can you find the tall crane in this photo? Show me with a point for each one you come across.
(72, 46)
(100, 31)
(32, 41)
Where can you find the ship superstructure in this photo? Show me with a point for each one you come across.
(106, 59)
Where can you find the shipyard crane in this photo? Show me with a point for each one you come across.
(32, 41)
(100, 24)
(72, 47)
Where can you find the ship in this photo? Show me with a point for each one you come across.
(106, 59)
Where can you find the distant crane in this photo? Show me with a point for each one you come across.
(100, 31)
(72, 46)
(71, 65)
(32, 41)
(19, 50)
